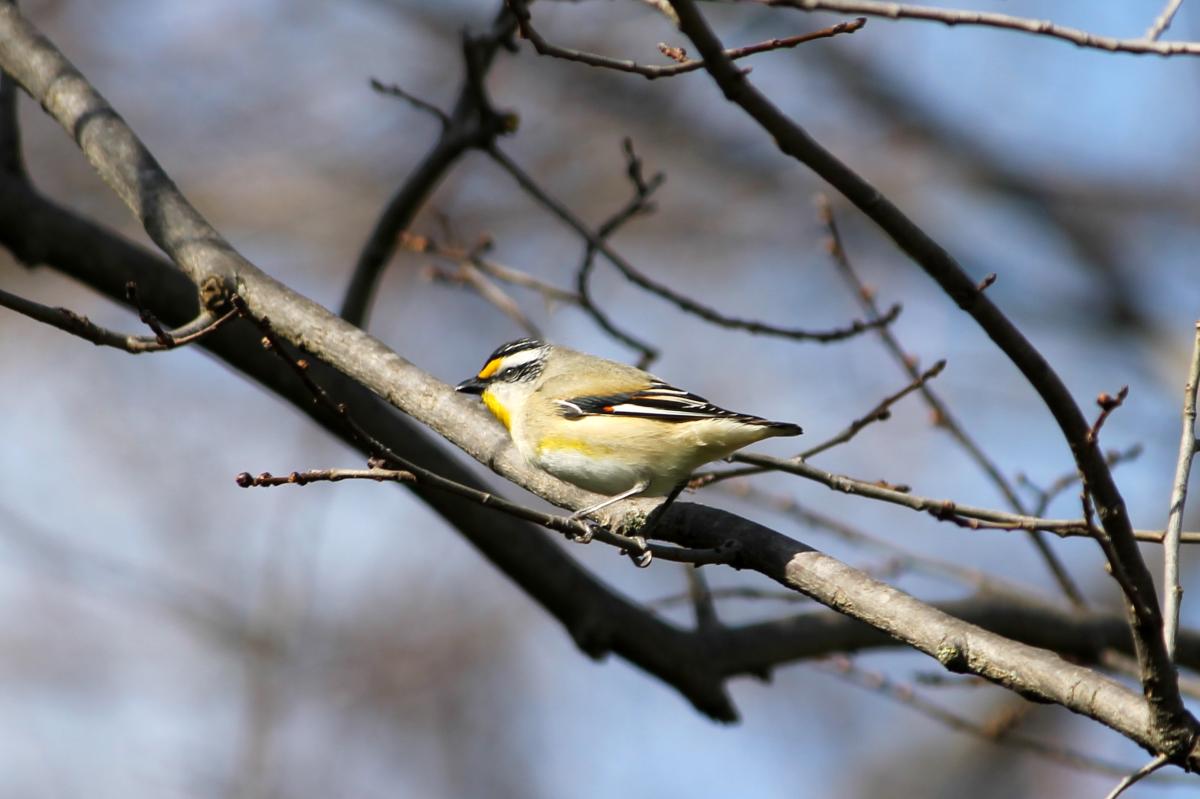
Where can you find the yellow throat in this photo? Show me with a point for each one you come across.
(498, 410)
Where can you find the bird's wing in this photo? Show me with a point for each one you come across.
(657, 400)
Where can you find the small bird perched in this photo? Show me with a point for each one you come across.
(607, 427)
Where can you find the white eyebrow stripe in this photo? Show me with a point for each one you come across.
(520, 358)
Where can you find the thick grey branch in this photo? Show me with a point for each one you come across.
(600, 620)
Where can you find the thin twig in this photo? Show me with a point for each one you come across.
(506, 274)
(653, 71)
(1108, 403)
(379, 475)
(471, 275)
(685, 304)
(580, 532)
(1038, 27)
(879, 413)
(943, 418)
(968, 516)
(78, 325)
(1046, 496)
(638, 205)
(472, 124)
(1163, 20)
(1172, 590)
(1145, 771)
(395, 90)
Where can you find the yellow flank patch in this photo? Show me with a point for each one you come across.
(493, 404)
(571, 444)
(489, 369)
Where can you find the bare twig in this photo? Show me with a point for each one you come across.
(379, 475)
(1137, 776)
(879, 413)
(1108, 403)
(947, 16)
(941, 412)
(505, 274)
(968, 516)
(486, 288)
(690, 306)
(638, 205)
(1172, 590)
(1045, 496)
(1163, 20)
(638, 548)
(470, 274)
(653, 71)
(473, 124)
(395, 90)
(77, 325)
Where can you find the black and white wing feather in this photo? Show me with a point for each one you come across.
(664, 403)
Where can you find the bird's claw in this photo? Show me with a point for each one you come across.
(639, 553)
(582, 531)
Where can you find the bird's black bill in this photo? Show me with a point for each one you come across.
(471, 386)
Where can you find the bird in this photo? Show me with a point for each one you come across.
(607, 427)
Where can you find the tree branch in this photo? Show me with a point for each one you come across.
(1163, 20)
(652, 71)
(680, 657)
(1172, 590)
(949, 16)
(77, 325)
(685, 304)
(473, 124)
(1175, 729)
(943, 418)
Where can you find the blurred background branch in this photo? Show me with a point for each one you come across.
(373, 639)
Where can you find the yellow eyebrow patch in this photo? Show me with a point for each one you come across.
(493, 405)
(490, 369)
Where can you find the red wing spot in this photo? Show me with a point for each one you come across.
(607, 409)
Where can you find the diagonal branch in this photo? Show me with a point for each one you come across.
(1163, 20)
(1175, 729)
